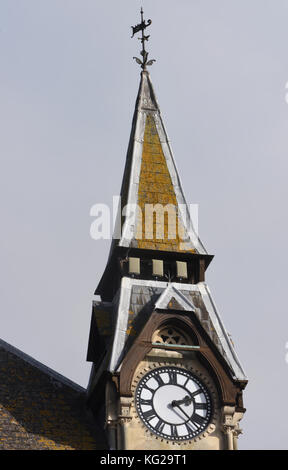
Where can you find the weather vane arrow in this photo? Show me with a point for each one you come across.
(135, 29)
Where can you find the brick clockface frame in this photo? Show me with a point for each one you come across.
(173, 403)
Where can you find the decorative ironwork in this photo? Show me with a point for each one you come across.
(135, 29)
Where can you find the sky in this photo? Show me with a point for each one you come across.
(68, 86)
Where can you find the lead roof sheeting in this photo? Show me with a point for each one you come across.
(135, 294)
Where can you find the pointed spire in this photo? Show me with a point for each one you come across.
(151, 179)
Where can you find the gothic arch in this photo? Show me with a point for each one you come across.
(143, 344)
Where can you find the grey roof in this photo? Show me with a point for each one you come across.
(145, 296)
(54, 376)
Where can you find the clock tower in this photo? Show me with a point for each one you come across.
(165, 374)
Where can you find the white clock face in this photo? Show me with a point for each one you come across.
(173, 403)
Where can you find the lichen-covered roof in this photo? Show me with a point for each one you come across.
(40, 409)
(151, 177)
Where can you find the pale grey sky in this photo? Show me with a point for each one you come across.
(68, 86)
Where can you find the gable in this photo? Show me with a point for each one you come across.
(139, 299)
(172, 298)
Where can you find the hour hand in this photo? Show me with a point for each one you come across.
(186, 401)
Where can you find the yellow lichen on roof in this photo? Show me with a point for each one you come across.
(41, 412)
(156, 187)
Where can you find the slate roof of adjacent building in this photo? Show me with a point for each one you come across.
(40, 409)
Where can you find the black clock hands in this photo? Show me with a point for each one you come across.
(186, 401)
(181, 409)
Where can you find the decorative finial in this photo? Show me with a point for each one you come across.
(141, 27)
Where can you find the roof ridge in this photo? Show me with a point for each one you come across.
(42, 367)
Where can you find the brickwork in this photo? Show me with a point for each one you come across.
(40, 411)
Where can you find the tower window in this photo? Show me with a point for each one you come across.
(182, 269)
(157, 267)
(134, 265)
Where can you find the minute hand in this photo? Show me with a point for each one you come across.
(181, 409)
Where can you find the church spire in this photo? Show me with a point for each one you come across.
(151, 180)
(153, 215)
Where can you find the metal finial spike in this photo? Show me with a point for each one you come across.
(135, 29)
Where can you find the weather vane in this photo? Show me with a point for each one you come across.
(141, 27)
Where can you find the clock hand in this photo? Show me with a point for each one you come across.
(186, 401)
(178, 406)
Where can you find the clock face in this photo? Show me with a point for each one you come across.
(173, 403)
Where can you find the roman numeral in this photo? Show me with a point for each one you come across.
(159, 380)
(194, 394)
(186, 382)
(174, 431)
(172, 377)
(197, 420)
(150, 414)
(145, 402)
(159, 426)
(189, 427)
(201, 406)
(148, 388)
